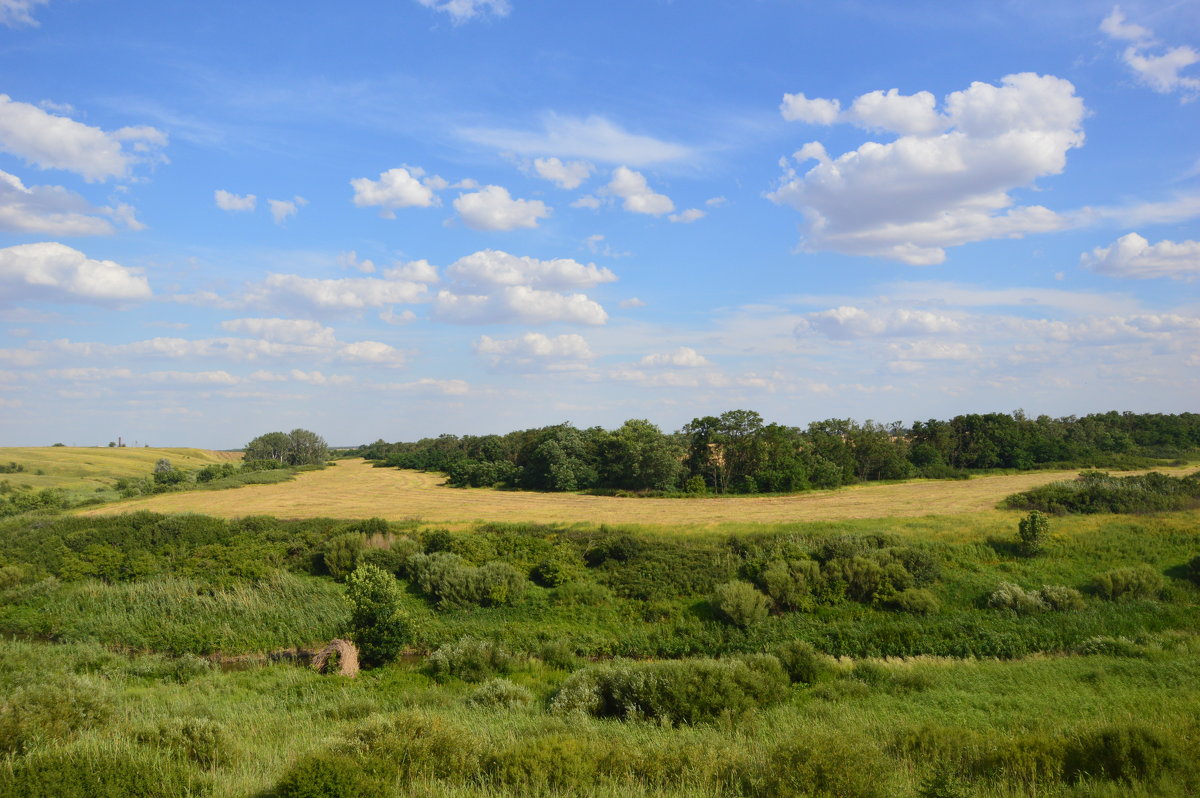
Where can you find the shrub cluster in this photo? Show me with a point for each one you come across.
(1138, 582)
(469, 659)
(1055, 598)
(453, 583)
(678, 692)
(1097, 492)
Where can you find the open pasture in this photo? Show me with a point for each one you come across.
(83, 469)
(354, 489)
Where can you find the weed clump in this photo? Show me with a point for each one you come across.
(469, 659)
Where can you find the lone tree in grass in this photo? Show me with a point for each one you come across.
(1033, 531)
(379, 625)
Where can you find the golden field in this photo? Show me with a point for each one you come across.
(80, 468)
(354, 489)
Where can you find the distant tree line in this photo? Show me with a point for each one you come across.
(736, 452)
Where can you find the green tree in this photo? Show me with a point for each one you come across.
(298, 447)
(1033, 532)
(638, 456)
(379, 625)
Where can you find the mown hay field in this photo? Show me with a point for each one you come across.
(354, 489)
(82, 468)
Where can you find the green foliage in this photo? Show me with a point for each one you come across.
(500, 694)
(452, 583)
(916, 600)
(1009, 596)
(342, 554)
(676, 692)
(379, 625)
(829, 765)
(295, 448)
(740, 604)
(1033, 532)
(803, 663)
(199, 740)
(41, 714)
(1060, 598)
(329, 775)
(1097, 492)
(1139, 582)
(1193, 569)
(85, 773)
(1127, 754)
(470, 659)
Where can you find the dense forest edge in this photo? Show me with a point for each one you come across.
(736, 452)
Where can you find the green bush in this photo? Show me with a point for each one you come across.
(453, 583)
(1119, 753)
(740, 604)
(1033, 532)
(198, 740)
(75, 773)
(791, 583)
(673, 691)
(51, 713)
(379, 625)
(555, 572)
(1193, 569)
(329, 775)
(566, 765)
(828, 766)
(1140, 582)
(582, 594)
(1060, 598)
(341, 555)
(469, 659)
(916, 600)
(500, 694)
(803, 663)
(1009, 596)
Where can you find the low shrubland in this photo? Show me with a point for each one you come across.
(1099, 492)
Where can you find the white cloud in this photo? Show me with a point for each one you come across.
(287, 331)
(909, 198)
(51, 210)
(390, 316)
(14, 13)
(282, 209)
(492, 267)
(517, 304)
(849, 322)
(372, 352)
(587, 201)
(428, 385)
(465, 10)
(566, 175)
(352, 293)
(395, 188)
(688, 216)
(638, 197)
(56, 272)
(492, 208)
(933, 350)
(683, 357)
(417, 271)
(715, 202)
(798, 108)
(905, 114)
(232, 202)
(535, 349)
(1132, 255)
(57, 142)
(349, 260)
(317, 378)
(1158, 71)
(592, 138)
(632, 302)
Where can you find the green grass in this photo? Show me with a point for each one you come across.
(81, 471)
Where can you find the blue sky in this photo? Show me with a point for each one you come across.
(396, 219)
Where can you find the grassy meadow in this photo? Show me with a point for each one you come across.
(85, 471)
(882, 640)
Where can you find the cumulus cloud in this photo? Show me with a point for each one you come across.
(15, 13)
(535, 349)
(282, 209)
(638, 197)
(688, 216)
(492, 267)
(493, 208)
(848, 322)
(353, 293)
(288, 331)
(566, 175)
(55, 272)
(417, 271)
(461, 11)
(1131, 255)
(1154, 64)
(593, 138)
(517, 304)
(232, 202)
(50, 141)
(587, 201)
(51, 210)
(949, 185)
(798, 108)
(395, 188)
(683, 357)
(933, 350)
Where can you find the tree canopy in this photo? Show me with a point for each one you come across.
(298, 447)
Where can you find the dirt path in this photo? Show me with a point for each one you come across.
(353, 489)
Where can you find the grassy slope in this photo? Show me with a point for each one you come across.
(83, 469)
(353, 489)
